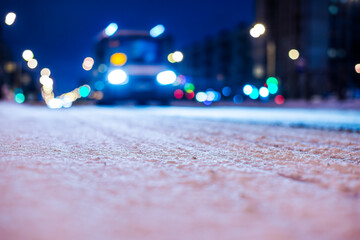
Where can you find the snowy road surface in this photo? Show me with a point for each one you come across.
(296, 117)
(146, 173)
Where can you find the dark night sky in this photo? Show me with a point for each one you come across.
(61, 33)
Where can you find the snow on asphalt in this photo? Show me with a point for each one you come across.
(296, 117)
(147, 173)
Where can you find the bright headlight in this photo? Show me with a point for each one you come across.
(166, 77)
(117, 77)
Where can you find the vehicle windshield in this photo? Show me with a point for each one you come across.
(139, 50)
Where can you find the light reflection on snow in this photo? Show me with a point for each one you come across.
(315, 118)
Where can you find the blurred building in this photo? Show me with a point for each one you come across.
(344, 46)
(4, 59)
(324, 32)
(15, 76)
(218, 61)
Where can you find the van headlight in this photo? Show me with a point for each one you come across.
(166, 77)
(117, 77)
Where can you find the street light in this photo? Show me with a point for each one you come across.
(294, 54)
(258, 30)
(45, 72)
(32, 63)
(157, 31)
(111, 29)
(88, 63)
(27, 55)
(177, 56)
(10, 18)
(46, 81)
(357, 68)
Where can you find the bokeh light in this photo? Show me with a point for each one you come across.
(111, 29)
(332, 53)
(238, 99)
(25, 79)
(271, 80)
(177, 56)
(258, 30)
(27, 55)
(247, 89)
(254, 94)
(207, 103)
(98, 95)
(99, 85)
(70, 95)
(157, 31)
(357, 68)
(178, 94)
(254, 33)
(210, 96)
(273, 88)
(333, 9)
(10, 18)
(258, 71)
(226, 91)
(217, 96)
(189, 94)
(47, 89)
(166, 77)
(294, 54)
(84, 91)
(32, 63)
(201, 97)
(118, 59)
(117, 76)
(45, 72)
(88, 63)
(170, 58)
(46, 81)
(264, 92)
(10, 67)
(102, 68)
(67, 102)
(19, 97)
(55, 103)
(189, 86)
(279, 99)
(181, 79)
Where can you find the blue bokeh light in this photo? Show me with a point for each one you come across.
(99, 85)
(157, 30)
(226, 91)
(254, 94)
(273, 88)
(238, 99)
(19, 97)
(111, 29)
(207, 103)
(84, 91)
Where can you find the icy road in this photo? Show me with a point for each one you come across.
(178, 173)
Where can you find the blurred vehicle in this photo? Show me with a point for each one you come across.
(132, 65)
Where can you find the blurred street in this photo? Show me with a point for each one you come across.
(125, 172)
(180, 120)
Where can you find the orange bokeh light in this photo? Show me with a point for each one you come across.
(118, 59)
